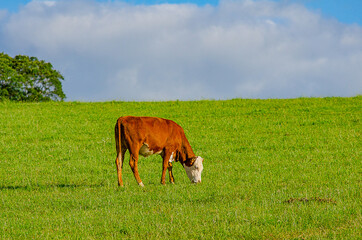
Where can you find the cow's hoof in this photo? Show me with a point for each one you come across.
(141, 184)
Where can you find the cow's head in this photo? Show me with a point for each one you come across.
(195, 170)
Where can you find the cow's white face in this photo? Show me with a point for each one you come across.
(194, 172)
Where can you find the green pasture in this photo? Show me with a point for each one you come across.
(273, 169)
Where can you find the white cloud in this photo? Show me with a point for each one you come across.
(237, 49)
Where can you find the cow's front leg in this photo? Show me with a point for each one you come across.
(172, 180)
(164, 168)
(166, 157)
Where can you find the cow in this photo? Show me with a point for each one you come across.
(146, 136)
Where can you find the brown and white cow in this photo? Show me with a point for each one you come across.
(151, 135)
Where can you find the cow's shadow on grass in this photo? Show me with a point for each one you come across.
(47, 186)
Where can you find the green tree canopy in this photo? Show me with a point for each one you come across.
(24, 78)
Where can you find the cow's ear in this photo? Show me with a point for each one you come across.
(192, 161)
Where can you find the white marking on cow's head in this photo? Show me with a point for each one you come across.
(194, 172)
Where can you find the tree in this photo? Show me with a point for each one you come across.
(24, 78)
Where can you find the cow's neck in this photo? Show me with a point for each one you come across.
(185, 154)
(189, 156)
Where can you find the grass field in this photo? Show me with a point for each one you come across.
(273, 169)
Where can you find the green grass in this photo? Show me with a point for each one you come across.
(273, 169)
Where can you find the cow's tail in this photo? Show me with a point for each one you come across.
(119, 159)
(118, 136)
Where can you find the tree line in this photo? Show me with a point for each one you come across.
(24, 78)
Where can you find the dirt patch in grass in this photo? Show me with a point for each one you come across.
(313, 199)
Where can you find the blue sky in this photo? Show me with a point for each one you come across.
(207, 50)
(346, 11)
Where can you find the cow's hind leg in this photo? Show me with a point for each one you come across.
(119, 165)
(133, 162)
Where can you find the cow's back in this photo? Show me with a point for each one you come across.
(156, 132)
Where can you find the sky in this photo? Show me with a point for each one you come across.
(189, 50)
